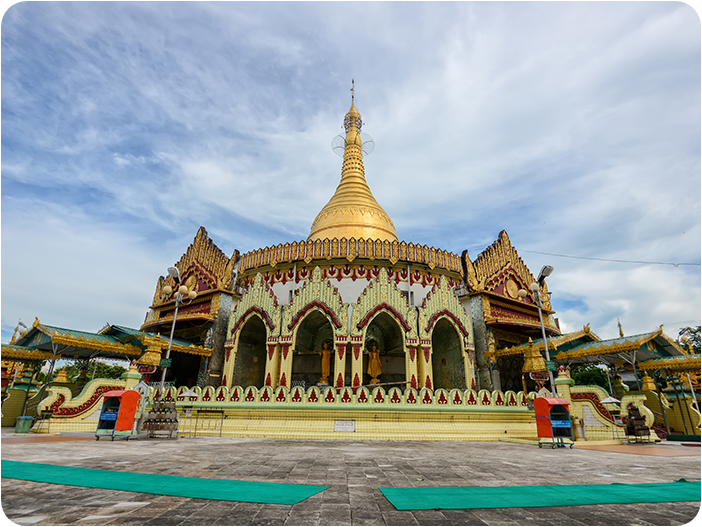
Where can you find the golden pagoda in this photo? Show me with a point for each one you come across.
(353, 212)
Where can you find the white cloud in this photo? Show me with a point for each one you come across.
(574, 126)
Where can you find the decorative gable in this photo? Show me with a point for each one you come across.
(443, 302)
(500, 270)
(383, 294)
(203, 267)
(316, 293)
(259, 299)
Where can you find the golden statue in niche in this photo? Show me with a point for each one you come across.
(374, 366)
(326, 355)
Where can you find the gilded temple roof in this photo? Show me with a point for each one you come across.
(353, 212)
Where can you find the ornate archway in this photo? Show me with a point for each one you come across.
(310, 334)
(390, 338)
(250, 359)
(447, 360)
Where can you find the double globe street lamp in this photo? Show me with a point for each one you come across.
(182, 290)
(546, 270)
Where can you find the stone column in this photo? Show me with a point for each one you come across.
(215, 368)
(481, 363)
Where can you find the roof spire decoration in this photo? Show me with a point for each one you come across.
(352, 212)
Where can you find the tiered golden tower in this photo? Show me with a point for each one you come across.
(353, 212)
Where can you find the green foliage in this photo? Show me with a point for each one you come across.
(82, 371)
(589, 375)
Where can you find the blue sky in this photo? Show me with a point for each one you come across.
(574, 126)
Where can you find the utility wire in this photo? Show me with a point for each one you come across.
(608, 259)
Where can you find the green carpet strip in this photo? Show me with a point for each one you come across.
(421, 498)
(210, 489)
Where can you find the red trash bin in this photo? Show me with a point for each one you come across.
(553, 421)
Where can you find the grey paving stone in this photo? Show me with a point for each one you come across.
(345, 466)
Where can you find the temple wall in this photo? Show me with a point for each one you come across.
(13, 405)
(440, 415)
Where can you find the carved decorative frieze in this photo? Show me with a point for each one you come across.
(351, 249)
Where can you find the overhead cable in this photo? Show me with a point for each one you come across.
(609, 259)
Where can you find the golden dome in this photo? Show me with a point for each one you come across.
(353, 212)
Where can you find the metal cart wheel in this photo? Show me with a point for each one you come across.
(540, 445)
(553, 445)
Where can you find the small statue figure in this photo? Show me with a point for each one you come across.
(374, 366)
(326, 354)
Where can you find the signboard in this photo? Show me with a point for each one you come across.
(165, 363)
(146, 368)
(551, 365)
(539, 376)
(344, 426)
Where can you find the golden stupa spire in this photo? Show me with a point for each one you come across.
(353, 212)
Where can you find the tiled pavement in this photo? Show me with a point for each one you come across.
(353, 470)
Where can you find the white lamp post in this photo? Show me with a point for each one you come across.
(546, 270)
(182, 290)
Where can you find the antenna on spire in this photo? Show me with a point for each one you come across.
(353, 93)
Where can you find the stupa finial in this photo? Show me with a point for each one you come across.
(352, 212)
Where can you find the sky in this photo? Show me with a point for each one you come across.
(575, 127)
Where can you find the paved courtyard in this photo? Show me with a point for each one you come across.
(354, 470)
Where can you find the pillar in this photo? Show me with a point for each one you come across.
(228, 370)
(426, 375)
(339, 362)
(272, 374)
(357, 360)
(411, 361)
(469, 366)
(285, 364)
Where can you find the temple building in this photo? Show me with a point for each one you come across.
(353, 318)
(432, 315)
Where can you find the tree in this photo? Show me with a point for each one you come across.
(82, 371)
(589, 375)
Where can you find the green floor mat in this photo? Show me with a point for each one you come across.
(418, 498)
(211, 489)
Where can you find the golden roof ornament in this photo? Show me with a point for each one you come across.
(533, 360)
(353, 212)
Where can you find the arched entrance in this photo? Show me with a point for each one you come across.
(390, 339)
(447, 356)
(250, 362)
(313, 330)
